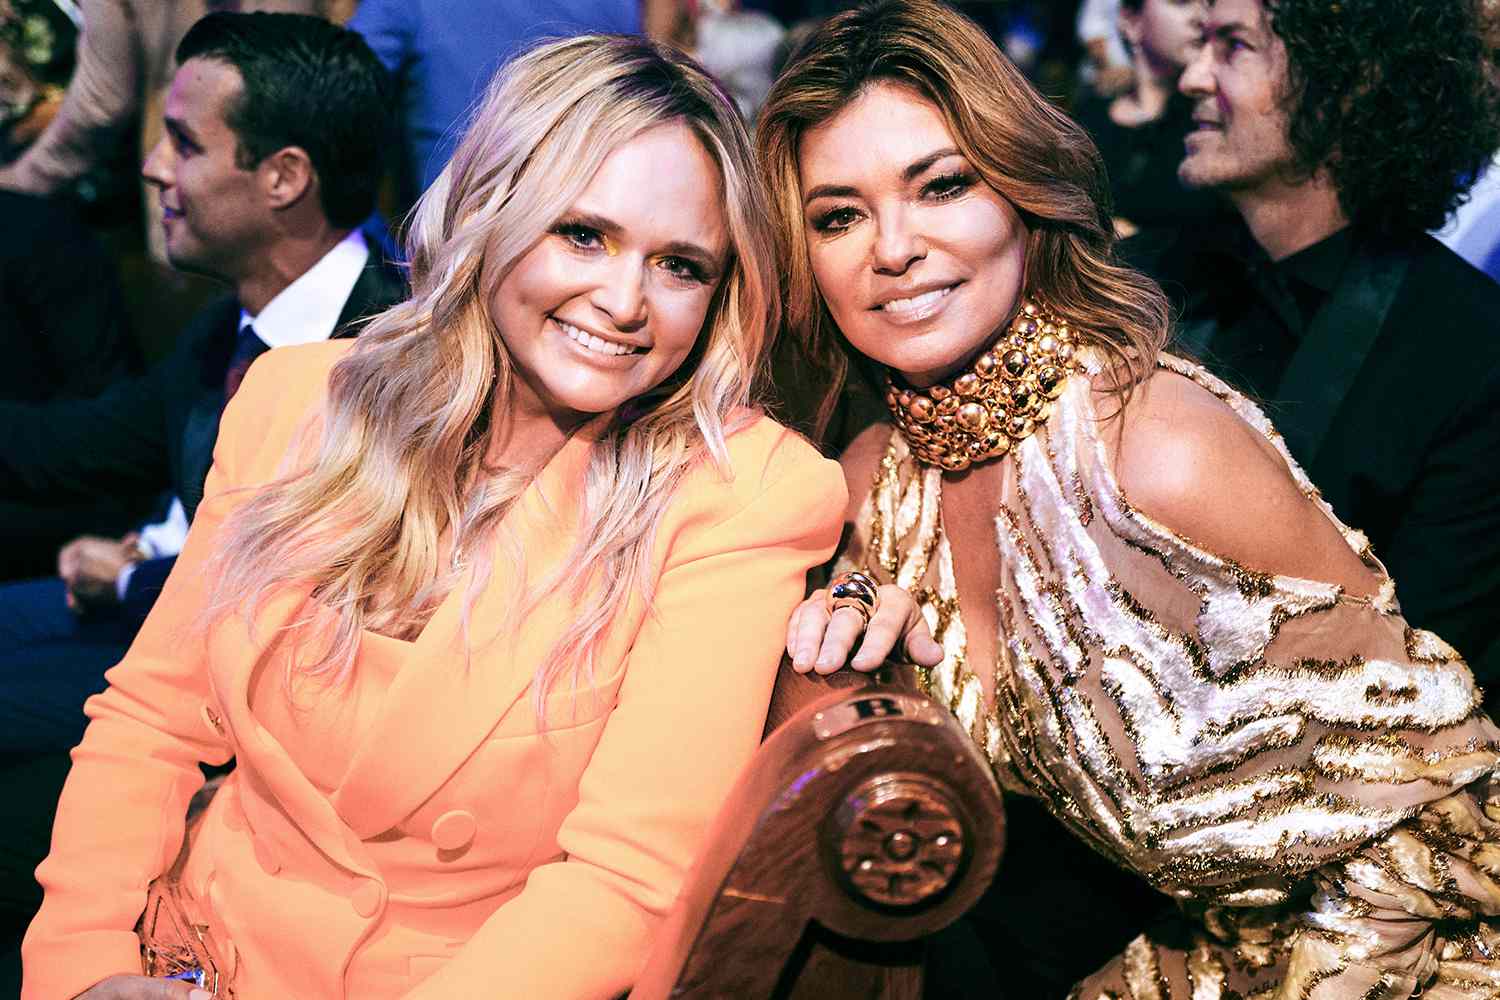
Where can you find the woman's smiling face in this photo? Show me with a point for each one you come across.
(611, 301)
(920, 261)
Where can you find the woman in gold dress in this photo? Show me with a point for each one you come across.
(1148, 617)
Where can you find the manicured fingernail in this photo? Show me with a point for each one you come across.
(200, 995)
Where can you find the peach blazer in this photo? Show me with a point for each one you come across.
(462, 852)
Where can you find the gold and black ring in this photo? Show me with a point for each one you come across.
(854, 590)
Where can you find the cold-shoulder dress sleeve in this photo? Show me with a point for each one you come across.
(1309, 776)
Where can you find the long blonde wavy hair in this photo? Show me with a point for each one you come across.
(1018, 142)
(411, 409)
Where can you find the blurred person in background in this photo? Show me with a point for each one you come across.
(274, 128)
(1106, 65)
(1342, 135)
(261, 193)
(741, 47)
(123, 65)
(443, 52)
(37, 43)
(1139, 131)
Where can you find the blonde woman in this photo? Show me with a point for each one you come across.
(484, 607)
(1148, 617)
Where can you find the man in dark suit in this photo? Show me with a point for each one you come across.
(274, 126)
(1341, 135)
(274, 133)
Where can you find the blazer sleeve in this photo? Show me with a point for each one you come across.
(689, 716)
(120, 821)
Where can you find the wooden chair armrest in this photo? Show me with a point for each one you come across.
(867, 818)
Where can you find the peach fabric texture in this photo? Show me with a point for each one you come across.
(416, 832)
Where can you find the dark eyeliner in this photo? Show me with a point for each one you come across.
(828, 222)
(578, 235)
(950, 185)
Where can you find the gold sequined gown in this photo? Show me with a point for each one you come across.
(1308, 776)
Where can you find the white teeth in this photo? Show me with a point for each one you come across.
(916, 301)
(590, 341)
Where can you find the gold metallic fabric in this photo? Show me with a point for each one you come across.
(1308, 776)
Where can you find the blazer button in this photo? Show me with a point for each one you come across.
(366, 898)
(453, 830)
(267, 857)
(213, 721)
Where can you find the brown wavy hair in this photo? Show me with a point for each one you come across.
(1035, 156)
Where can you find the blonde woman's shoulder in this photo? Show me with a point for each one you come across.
(290, 373)
(276, 403)
(770, 449)
(770, 463)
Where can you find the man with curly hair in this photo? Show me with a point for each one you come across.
(1342, 132)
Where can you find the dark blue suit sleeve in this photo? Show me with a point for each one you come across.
(144, 586)
(80, 449)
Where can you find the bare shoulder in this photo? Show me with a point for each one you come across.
(1187, 460)
(860, 459)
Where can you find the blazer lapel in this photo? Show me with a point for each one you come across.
(236, 649)
(200, 422)
(377, 288)
(456, 687)
(1337, 343)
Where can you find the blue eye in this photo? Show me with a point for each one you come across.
(581, 236)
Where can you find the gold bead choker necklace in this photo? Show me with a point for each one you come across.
(1001, 399)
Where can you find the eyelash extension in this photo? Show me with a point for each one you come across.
(951, 185)
(585, 237)
(578, 234)
(828, 221)
(688, 270)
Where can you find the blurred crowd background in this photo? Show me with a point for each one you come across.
(121, 54)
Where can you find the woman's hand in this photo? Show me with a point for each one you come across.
(142, 988)
(818, 641)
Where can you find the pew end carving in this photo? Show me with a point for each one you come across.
(866, 822)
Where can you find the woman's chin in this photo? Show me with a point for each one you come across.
(921, 372)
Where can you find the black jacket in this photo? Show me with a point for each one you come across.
(63, 327)
(1391, 403)
(142, 436)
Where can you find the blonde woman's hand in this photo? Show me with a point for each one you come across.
(821, 642)
(142, 988)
